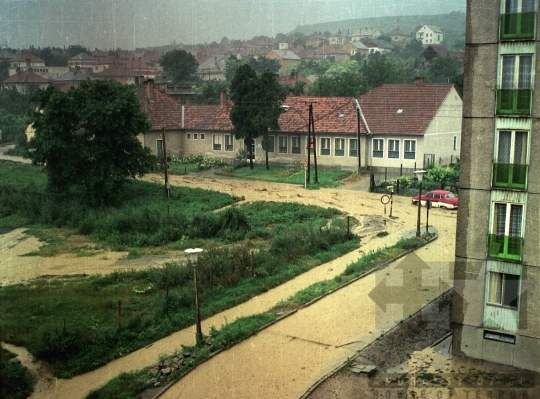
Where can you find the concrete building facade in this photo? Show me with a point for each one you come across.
(496, 292)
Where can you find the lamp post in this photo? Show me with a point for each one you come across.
(419, 175)
(194, 255)
(391, 189)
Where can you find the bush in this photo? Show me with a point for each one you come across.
(17, 380)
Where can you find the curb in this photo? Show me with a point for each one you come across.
(338, 368)
(381, 266)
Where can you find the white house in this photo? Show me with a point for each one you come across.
(430, 34)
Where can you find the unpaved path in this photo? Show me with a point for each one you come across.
(314, 346)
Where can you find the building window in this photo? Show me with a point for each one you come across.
(514, 95)
(410, 149)
(325, 146)
(353, 147)
(295, 144)
(282, 141)
(503, 289)
(378, 148)
(195, 136)
(229, 143)
(339, 147)
(393, 148)
(510, 167)
(217, 141)
(270, 143)
(202, 136)
(518, 20)
(189, 136)
(159, 148)
(506, 240)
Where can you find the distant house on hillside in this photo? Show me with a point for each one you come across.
(338, 39)
(337, 53)
(365, 33)
(121, 74)
(430, 34)
(355, 47)
(213, 68)
(284, 57)
(72, 78)
(400, 38)
(316, 40)
(379, 46)
(433, 51)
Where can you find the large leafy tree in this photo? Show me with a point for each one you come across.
(208, 92)
(231, 67)
(443, 69)
(179, 65)
(257, 105)
(348, 84)
(86, 139)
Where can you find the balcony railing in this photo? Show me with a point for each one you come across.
(505, 247)
(520, 26)
(510, 176)
(514, 102)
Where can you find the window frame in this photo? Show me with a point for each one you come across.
(202, 136)
(229, 142)
(377, 146)
(325, 146)
(405, 152)
(393, 148)
(353, 149)
(339, 149)
(500, 289)
(217, 145)
(296, 149)
(283, 149)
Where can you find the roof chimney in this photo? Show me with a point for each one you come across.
(419, 80)
(222, 97)
(150, 90)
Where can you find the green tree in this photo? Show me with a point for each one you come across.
(231, 67)
(75, 49)
(208, 92)
(378, 69)
(257, 105)
(263, 64)
(179, 65)
(443, 69)
(86, 139)
(347, 84)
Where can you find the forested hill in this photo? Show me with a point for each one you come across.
(452, 25)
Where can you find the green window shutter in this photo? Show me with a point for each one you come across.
(528, 25)
(518, 26)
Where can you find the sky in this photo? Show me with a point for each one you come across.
(130, 24)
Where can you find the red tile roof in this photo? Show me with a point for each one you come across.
(25, 55)
(330, 115)
(419, 103)
(163, 110)
(117, 71)
(25, 77)
(208, 117)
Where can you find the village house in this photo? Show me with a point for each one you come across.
(365, 33)
(412, 125)
(336, 53)
(213, 68)
(400, 126)
(72, 78)
(284, 57)
(121, 74)
(430, 34)
(23, 81)
(316, 40)
(400, 38)
(354, 48)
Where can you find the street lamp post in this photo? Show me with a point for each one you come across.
(194, 255)
(419, 174)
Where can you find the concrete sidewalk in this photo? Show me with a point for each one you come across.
(284, 360)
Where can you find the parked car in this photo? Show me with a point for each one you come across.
(439, 199)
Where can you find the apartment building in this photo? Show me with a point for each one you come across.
(497, 269)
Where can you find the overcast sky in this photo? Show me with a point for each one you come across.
(128, 24)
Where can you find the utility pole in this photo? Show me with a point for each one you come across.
(308, 151)
(312, 124)
(166, 167)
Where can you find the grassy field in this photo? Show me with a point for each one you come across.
(280, 174)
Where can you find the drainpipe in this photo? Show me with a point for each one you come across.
(360, 114)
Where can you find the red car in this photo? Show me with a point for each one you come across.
(439, 199)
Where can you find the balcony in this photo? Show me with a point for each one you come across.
(505, 247)
(520, 26)
(514, 102)
(509, 176)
